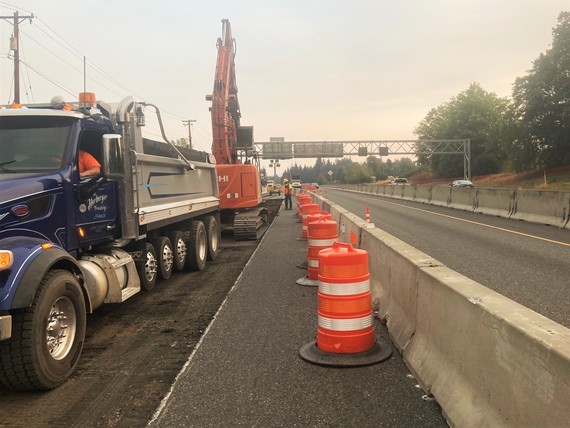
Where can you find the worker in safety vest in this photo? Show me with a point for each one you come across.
(288, 192)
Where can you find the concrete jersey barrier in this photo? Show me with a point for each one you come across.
(487, 360)
(534, 206)
(497, 202)
(462, 198)
(540, 206)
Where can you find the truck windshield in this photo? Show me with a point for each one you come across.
(33, 143)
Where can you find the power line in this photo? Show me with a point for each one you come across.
(50, 80)
(80, 71)
(97, 69)
(28, 76)
(63, 43)
(11, 6)
(202, 134)
(76, 53)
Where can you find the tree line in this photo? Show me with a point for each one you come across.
(527, 131)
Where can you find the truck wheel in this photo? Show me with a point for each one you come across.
(48, 336)
(179, 249)
(147, 268)
(213, 235)
(164, 256)
(197, 247)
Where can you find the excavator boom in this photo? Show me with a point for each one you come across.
(225, 105)
(238, 178)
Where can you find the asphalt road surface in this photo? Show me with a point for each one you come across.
(528, 263)
(247, 371)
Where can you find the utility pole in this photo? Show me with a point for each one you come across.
(15, 46)
(189, 124)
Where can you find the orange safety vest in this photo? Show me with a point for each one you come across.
(288, 189)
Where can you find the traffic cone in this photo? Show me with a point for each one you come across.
(369, 225)
(345, 334)
(323, 232)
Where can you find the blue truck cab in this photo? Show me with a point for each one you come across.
(70, 243)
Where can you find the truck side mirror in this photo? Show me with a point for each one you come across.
(113, 165)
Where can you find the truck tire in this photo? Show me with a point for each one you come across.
(147, 268)
(197, 247)
(179, 249)
(164, 258)
(47, 336)
(213, 235)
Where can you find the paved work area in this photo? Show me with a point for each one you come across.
(247, 371)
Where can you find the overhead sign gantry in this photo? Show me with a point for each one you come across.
(278, 148)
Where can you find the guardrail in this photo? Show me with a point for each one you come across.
(487, 360)
(535, 206)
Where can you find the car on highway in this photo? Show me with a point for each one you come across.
(462, 183)
(315, 185)
(399, 181)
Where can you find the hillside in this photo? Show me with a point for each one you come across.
(555, 178)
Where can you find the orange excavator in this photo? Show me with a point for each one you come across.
(237, 166)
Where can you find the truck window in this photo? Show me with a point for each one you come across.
(33, 144)
(91, 141)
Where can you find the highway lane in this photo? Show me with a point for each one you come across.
(525, 262)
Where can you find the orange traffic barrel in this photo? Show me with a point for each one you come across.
(302, 200)
(323, 232)
(305, 211)
(345, 333)
(311, 217)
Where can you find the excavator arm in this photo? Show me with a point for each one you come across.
(225, 105)
(238, 179)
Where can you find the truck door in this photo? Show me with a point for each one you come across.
(96, 200)
(96, 215)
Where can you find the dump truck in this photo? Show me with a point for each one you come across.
(70, 243)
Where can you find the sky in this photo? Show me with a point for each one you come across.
(306, 70)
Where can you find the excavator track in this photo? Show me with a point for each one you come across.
(250, 224)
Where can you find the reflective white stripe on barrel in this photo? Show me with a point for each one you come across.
(345, 324)
(321, 242)
(314, 263)
(344, 289)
